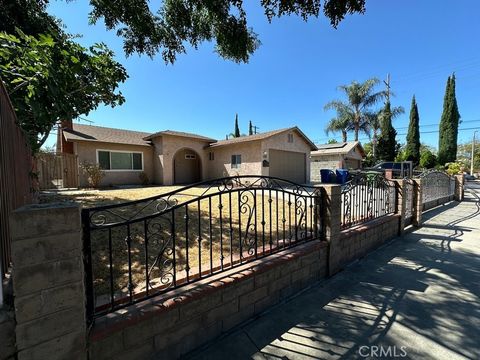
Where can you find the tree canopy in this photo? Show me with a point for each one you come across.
(49, 76)
(354, 113)
(170, 26)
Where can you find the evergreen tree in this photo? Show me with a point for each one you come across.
(237, 129)
(250, 128)
(447, 142)
(412, 149)
(387, 145)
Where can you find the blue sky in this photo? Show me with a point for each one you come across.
(297, 70)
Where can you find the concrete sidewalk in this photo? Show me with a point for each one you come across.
(415, 298)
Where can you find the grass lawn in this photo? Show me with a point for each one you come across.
(199, 237)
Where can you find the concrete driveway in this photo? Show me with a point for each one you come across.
(416, 298)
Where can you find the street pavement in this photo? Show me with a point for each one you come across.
(415, 298)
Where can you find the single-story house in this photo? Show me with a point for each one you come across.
(344, 155)
(173, 157)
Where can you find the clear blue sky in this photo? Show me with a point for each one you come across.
(298, 68)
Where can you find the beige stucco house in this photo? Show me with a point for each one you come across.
(344, 155)
(172, 157)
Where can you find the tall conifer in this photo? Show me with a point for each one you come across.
(412, 149)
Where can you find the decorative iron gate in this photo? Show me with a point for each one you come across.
(366, 197)
(139, 249)
(436, 185)
(408, 194)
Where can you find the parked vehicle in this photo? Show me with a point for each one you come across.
(400, 169)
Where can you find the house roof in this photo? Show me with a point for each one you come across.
(263, 136)
(342, 148)
(178, 133)
(82, 132)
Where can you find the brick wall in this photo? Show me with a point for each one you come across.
(358, 241)
(175, 323)
(48, 282)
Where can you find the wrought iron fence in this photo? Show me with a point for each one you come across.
(140, 249)
(436, 185)
(408, 194)
(365, 197)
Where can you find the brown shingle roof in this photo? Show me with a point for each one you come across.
(103, 134)
(178, 133)
(263, 136)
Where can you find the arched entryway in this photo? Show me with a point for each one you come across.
(186, 167)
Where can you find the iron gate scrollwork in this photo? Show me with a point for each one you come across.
(139, 249)
(436, 185)
(365, 197)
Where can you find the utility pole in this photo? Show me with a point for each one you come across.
(473, 153)
(387, 84)
(255, 129)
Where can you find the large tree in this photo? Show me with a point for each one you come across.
(387, 144)
(412, 148)
(237, 129)
(356, 110)
(168, 26)
(448, 129)
(49, 76)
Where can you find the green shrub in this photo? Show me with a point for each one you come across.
(144, 178)
(93, 172)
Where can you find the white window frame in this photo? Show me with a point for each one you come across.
(290, 136)
(120, 151)
(190, 156)
(236, 165)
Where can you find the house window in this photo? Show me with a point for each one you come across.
(290, 138)
(190, 156)
(119, 160)
(236, 161)
(211, 155)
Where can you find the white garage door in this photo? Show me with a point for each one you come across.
(288, 165)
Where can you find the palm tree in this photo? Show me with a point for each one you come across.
(340, 123)
(361, 96)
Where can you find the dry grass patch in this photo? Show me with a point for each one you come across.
(200, 236)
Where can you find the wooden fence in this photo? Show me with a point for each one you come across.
(16, 167)
(57, 170)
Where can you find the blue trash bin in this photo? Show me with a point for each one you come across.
(342, 176)
(326, 176)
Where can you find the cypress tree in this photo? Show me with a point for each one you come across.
(237, 129)
(448, 129)
(387, 145)
(412, 149)
(250, 128)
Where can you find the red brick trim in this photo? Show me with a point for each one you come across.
(171, 301)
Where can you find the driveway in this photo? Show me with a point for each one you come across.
(415, 298)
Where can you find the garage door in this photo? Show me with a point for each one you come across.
(288, 165)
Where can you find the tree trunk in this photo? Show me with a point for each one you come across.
(344, 135)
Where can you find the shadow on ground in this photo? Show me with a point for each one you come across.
(417, 296)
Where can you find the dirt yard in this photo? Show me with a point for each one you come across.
(207, 230)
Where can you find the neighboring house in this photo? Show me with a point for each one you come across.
(344, 155)
(172, 157)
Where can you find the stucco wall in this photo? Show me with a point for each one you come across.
(169, 147)
(280, 142)
(221, 165)
(158, 160)
(87, 151)
(331, 162)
